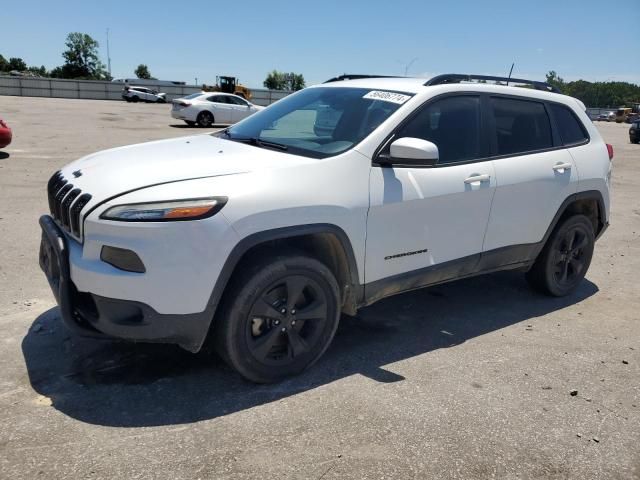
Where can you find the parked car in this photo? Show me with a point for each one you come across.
(5, 134)
(256, 238)
(634, 132)
(607, 117)
(632, 118)
(208, 108)
(143, 94)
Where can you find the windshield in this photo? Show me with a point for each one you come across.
(192, 96)
(318, 122)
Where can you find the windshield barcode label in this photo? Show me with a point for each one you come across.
(387, 96)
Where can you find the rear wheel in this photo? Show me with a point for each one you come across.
(279, 318)
(565, 259)
(205, 119)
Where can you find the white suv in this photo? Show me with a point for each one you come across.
(258, 237)
(143, 94)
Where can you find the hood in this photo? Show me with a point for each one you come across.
(116, 171)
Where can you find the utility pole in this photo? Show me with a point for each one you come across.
(108, 55)
(406, 68)
(196, 81)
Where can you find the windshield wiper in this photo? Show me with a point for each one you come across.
(258, 142)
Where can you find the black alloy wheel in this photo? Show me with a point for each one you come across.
(279, 316)
(565, 259)
(286, 320)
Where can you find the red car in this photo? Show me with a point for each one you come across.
(5, 134)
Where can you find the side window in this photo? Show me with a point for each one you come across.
(218, 99)
(453, 124)
(237, 101)
(570, 129)
(521, 126)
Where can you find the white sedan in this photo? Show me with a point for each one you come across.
(209, 108)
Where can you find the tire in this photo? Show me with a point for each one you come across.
(190, 123)
(205, 119)
(261, 331)
(135, 99)
(565, 258)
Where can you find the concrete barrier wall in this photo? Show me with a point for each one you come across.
(100, 90)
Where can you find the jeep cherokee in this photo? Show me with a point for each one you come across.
(258, 237)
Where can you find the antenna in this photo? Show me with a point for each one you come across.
(510, 72)
(108, 55)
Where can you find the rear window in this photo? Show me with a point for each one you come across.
(570, 128)
(521, 126)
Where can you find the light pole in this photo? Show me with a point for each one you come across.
(108, 55)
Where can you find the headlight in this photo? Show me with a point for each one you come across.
(193, 209)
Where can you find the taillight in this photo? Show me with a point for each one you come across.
(610, 151)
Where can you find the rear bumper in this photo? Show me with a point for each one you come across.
(92, 315)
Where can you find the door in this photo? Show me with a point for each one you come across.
(535, 173)
(421, 218)
(146, 96)
(221, 110)
(240, 109)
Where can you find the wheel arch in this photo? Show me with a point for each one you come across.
(589, 203)
(327, 243)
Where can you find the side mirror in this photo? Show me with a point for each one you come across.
(413, 151)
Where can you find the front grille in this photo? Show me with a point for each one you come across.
(66, 203)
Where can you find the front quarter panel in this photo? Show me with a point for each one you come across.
(182, 259)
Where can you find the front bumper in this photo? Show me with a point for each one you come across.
(93, 315)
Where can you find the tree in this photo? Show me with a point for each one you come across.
(275, 81)
(143, 72)
(284, 81)
(81, 58)
(4, 65)
(296, 81)
(597, 94)
(16, 64)
(555, 80)
(40, 71)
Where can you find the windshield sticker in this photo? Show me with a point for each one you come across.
(387, 96)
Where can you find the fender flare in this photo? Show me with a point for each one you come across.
(585, 195)
(247, 243)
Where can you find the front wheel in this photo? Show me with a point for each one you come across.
(279, 317)
(565, 258)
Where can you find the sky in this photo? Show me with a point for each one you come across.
(588, 39)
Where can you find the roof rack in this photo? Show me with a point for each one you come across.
(348, 76)
(463, 77)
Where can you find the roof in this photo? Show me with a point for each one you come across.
(417, 85)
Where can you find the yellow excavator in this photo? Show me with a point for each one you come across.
(228, 84)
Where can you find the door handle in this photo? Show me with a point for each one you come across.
(485, 177)
(561, 167)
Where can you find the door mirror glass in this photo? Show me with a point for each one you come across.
(413, 151)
